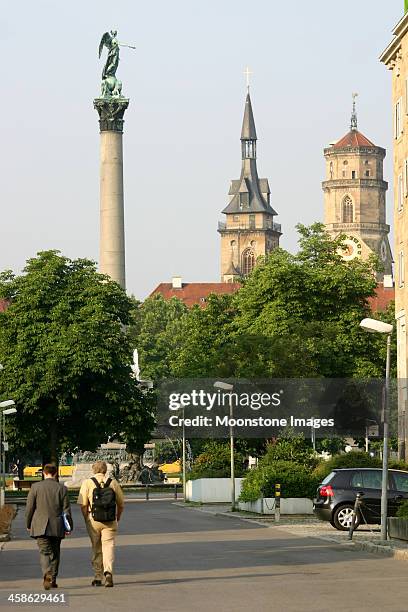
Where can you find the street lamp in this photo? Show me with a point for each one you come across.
(227, 387)
(5, 411)
(379, 327)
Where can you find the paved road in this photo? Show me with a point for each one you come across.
(171, 558)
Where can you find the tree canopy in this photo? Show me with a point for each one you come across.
(67, 356)
(295, 316)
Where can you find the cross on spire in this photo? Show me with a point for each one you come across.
(247, 73)
(354, 113)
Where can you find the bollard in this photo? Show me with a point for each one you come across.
(175, 491)
(357, 504)
(277, 502)
(147, 491)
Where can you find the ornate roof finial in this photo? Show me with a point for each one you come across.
(248, 75)
(353, 125)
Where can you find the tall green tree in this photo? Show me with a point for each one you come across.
(66, 358)
(155, 332)
(295, 316)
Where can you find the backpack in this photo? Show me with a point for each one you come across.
(103, 502)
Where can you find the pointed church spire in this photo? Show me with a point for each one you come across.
(248, 125)
(353, 125)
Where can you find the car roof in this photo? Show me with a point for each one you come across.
(363, 469)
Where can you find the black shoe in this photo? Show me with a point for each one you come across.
(47, 581)
(54, 584)
(108, 579)
(96, 583)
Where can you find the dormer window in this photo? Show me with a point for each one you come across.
(244, 200)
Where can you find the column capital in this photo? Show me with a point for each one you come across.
(111, 111)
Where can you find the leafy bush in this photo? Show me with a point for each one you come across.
(215, 462)
(295, 480)
(397, 465)
(354, 459)
(402, 511)
(290, 447)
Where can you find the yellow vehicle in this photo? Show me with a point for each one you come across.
(33, 471)
(171, 468)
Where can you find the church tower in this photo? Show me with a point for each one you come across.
(354, 196)
(249, 230)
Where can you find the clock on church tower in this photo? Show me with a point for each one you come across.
(354, 196)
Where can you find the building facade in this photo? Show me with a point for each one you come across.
(395, 57)
(354, 197)
(249, 229)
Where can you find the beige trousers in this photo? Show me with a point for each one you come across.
(102, 536)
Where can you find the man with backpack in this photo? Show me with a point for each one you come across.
(101, 500)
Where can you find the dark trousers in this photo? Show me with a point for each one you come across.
(50, 548)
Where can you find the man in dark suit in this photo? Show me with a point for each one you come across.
(47, 502)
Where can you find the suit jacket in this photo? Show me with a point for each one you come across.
(46, 502)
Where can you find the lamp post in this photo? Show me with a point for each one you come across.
(228, 387)
(379, 327)
(5, 410)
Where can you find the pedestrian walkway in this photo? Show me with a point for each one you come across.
(171, 558)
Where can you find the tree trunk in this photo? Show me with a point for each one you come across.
(52, 455)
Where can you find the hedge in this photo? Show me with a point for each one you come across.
(295, 480)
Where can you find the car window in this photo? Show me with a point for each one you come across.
(401, 481)
(328, 478)
(372, 480)
(357, 480)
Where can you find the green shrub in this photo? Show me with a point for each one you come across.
(354, 459)
(295, 480)
(402, 511)
(290, 447)
(397, 465)
(215, 462)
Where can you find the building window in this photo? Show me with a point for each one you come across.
(252, 222)
(367, 173)
(235, 218)
(353, 174)
(331, 170)
(406, 96)
(398, 119)
(347, 212)
(401, 271)
(244, 200)
(366, 162)
(400, 193)
(406, 178)
(344, 173)
(248, 261)
(233, 243)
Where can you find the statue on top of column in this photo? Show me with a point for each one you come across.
(111, 86)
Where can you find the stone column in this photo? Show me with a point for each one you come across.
(112, 224)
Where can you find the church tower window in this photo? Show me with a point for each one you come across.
(348, 213)
(244, 200)
(248, 261)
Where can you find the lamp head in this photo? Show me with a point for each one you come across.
(7, 403)
(223, 385)
(376, 327)
(9, 411)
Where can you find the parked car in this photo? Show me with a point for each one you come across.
(337, 493)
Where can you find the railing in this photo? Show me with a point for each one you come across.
(276, 227)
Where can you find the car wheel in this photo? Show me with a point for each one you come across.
(342, 517)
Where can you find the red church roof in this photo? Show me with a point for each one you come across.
(382, 299)
(353, 139)
(194, 293)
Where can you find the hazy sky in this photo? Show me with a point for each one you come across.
(181, 143)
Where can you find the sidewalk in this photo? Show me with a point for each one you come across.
(367, 537)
